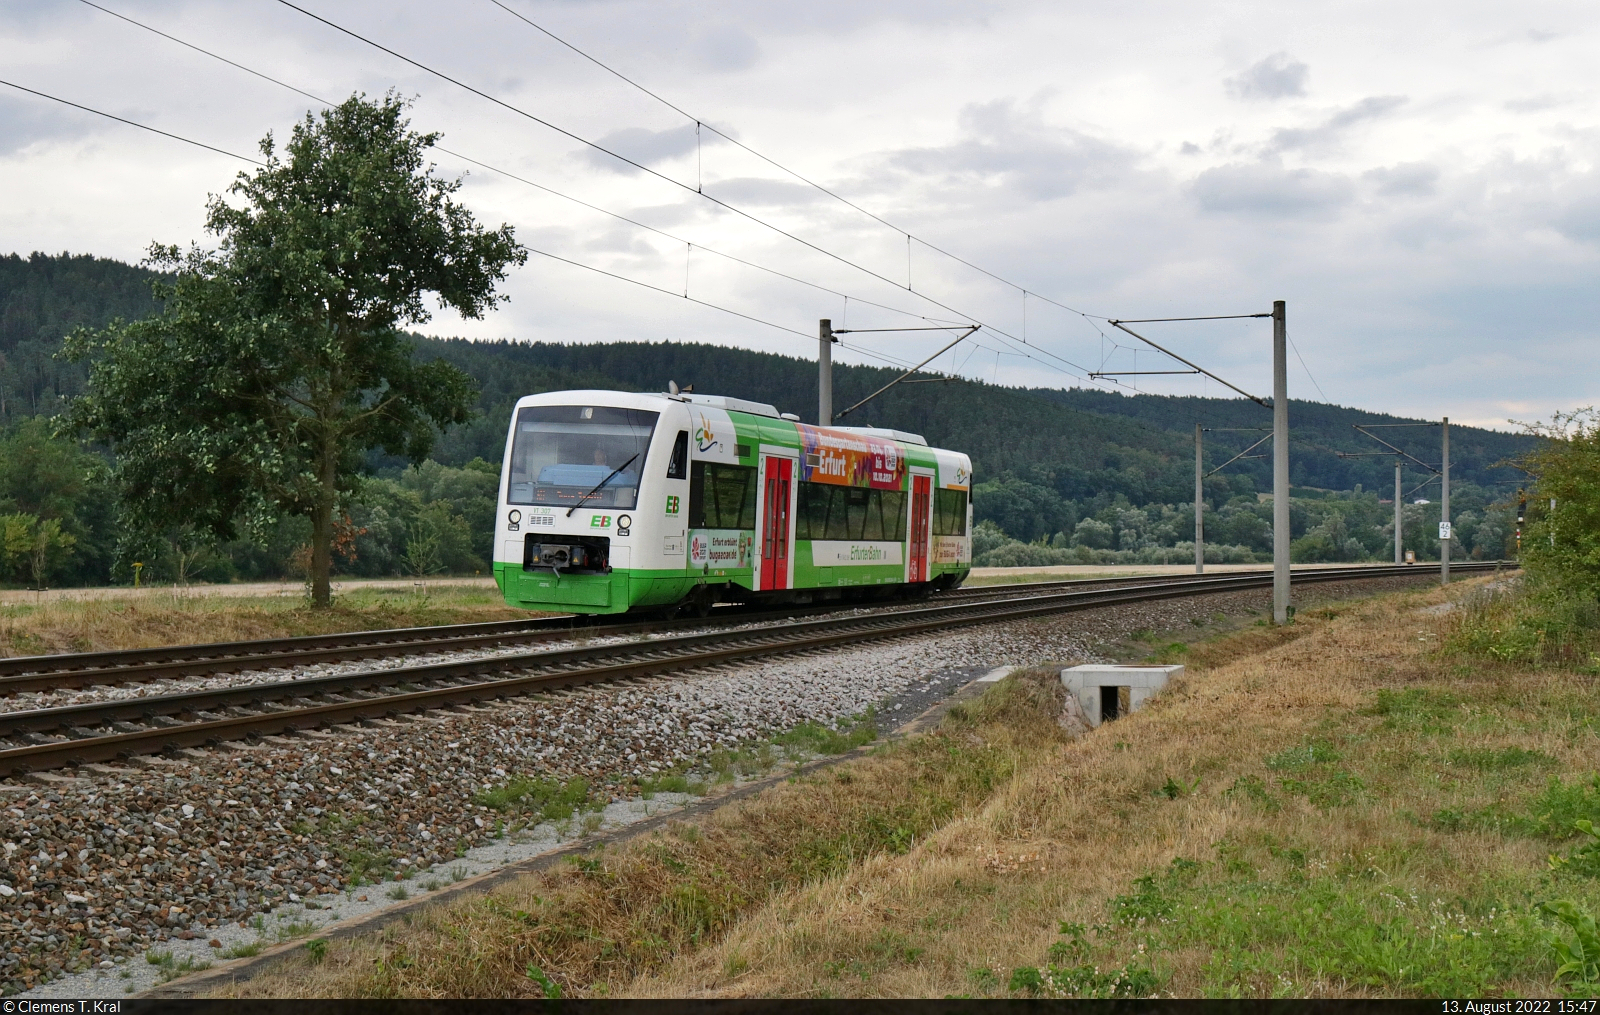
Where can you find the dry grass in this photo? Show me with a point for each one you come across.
(164, 617)
(1335, 810)
(594, 925)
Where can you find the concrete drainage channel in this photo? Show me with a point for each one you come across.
(1106, 692)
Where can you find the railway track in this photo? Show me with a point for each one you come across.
(86, 669)
(65, 671)
(43, 739)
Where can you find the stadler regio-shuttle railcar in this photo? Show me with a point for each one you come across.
(612, 501)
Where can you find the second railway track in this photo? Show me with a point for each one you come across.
(49, 738)
(24, 674)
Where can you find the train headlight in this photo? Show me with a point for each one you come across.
(514, 520)
(624, 521)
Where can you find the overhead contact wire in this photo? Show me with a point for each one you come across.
(780, 166)
(659, 175)
(132, 123)
(503, 172)
(667, 292)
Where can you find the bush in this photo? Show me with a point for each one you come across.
(1562, 544)
(1532, 622)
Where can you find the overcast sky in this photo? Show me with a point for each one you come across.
(1417, 180)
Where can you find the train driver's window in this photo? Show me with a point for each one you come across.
(678, 464)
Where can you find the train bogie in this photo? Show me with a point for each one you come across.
(612, 501)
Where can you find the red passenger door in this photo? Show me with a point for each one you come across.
(775, 526)
(921, 487)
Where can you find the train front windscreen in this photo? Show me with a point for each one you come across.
(579, 454)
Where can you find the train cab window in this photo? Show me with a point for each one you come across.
(722, 496)
(678, 464)
(568, 455)
(949, 512)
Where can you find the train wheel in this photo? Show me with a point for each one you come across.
(699, 603)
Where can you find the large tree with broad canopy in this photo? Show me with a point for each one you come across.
(278, 359)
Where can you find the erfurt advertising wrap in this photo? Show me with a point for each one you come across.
(844, 553)
(847, 459)
(719, 548)
(952, 549)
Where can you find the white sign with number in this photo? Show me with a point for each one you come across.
(1444, 530)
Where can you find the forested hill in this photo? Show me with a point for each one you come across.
(42, 298)
(1080, 443)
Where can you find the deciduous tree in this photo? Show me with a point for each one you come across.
(277, 361)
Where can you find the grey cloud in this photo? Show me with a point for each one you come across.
(758, 191)
(30, 14)
(26, 119)
(1404, 179)
(620, 241)
(1536, 103)
(726, 48)
(1016, 148)
(1268, 189)
(1278, 76)
(1577, 216)
(1326, 133)
(646, 146)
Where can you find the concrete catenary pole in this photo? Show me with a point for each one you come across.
(1199, 518)
(1280, 464)
(1399, 518)
(825, 342)
(1444, 507)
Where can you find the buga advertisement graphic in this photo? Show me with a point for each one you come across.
(952, 549)
(847, 459)
(719, 548)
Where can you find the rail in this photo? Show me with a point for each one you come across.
(110, 730)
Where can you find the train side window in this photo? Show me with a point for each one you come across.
(950, 512)
(834, 512)
(722, 496)
(678, 464)
(893, 505)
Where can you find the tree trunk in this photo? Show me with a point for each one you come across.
(322, 525)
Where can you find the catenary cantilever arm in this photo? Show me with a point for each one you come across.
(1259, 401)
(959, 338)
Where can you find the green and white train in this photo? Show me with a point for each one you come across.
(611, 501)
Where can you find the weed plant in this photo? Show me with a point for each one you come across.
(540, 798)
(1528, 623)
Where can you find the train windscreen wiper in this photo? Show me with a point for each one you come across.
(600, 484)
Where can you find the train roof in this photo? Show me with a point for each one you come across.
(725, 402)
(731, 404)
(878, 431)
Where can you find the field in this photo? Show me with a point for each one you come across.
(91, 620)
(121, 618)
(1349, 806)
